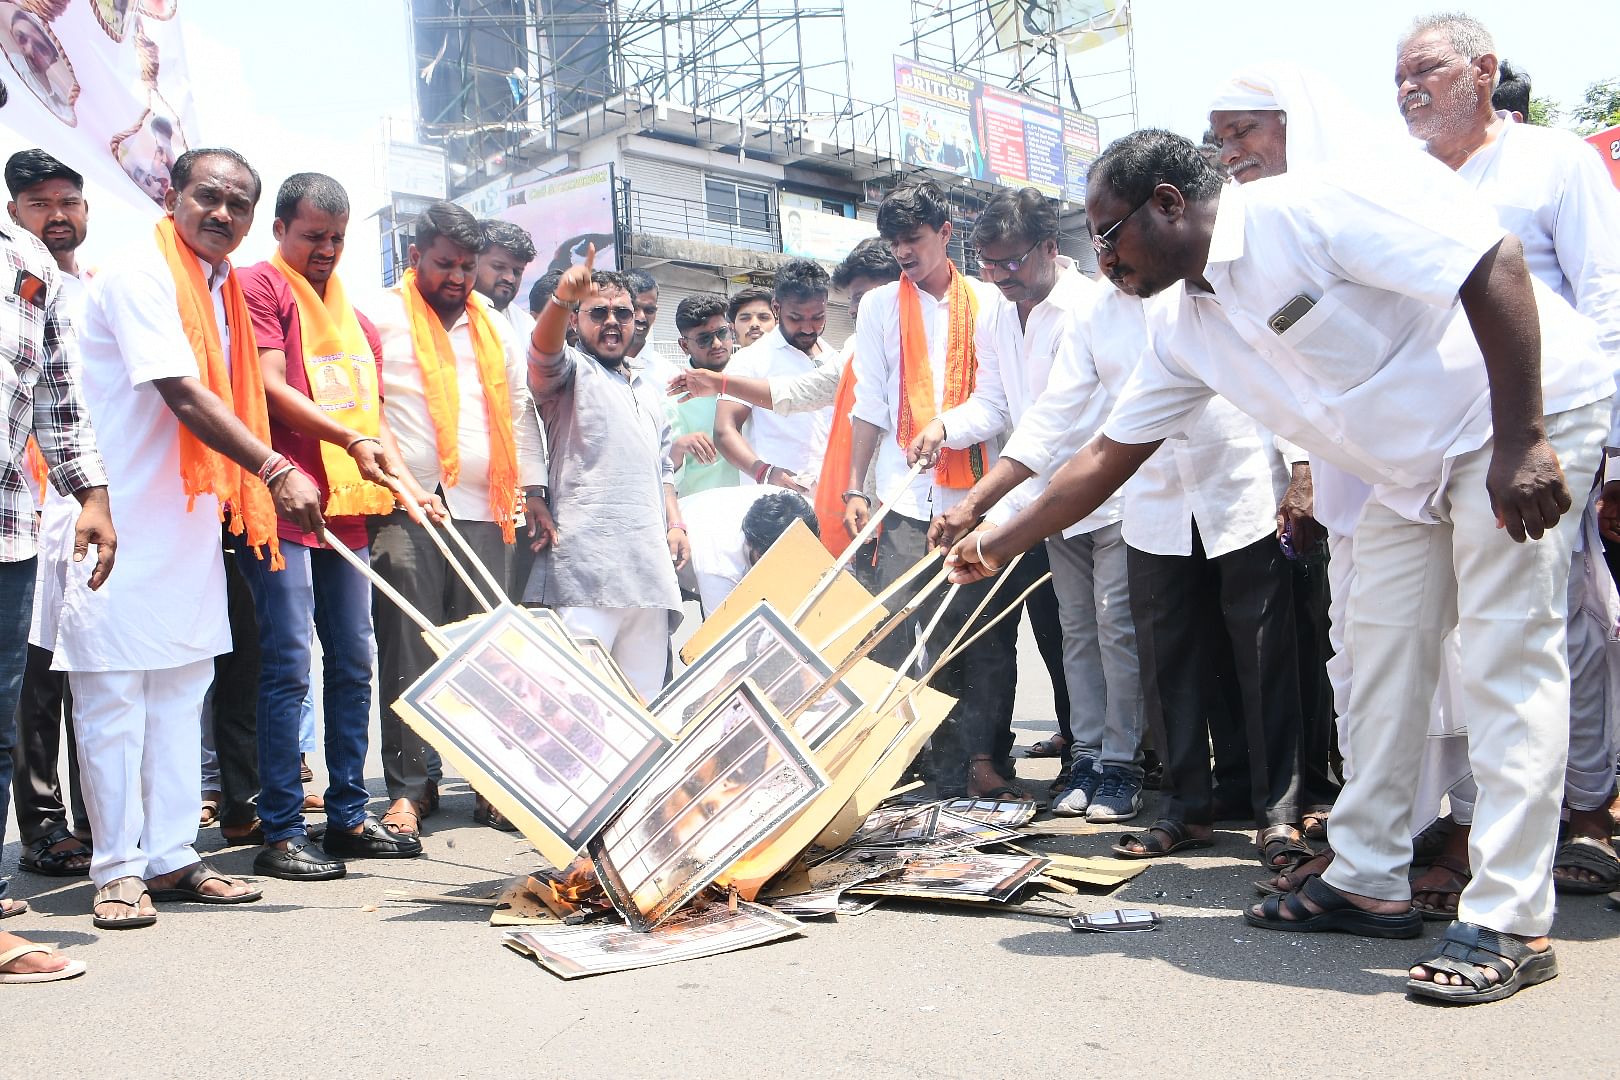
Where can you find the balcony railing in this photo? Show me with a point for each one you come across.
(642, 211)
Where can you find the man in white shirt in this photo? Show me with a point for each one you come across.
(431, 319)
(1386, 322)
(915, 357)
(750, 313)
(779, 449)
(508, 251)
(140, 651)
(1046, 300)
(731, 528)
(1551, 191)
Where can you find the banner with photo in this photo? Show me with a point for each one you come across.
(563, 214)
(1607, 142)
(102, 85)
(962, 126)
(811, 232)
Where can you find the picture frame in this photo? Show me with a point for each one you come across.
(598, 948)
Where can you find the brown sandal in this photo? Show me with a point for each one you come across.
(128, 892)
(403, 818)
(1457, 875)
(209, 814)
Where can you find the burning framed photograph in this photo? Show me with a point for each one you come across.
(764, 648)
(575, 952)
(735, 776)
(929, 875)
(536, 731)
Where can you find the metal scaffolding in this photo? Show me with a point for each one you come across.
(497, 75)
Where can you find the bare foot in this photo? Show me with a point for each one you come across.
(29, 963)
(982, 778)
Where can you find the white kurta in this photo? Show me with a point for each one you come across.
(164, 605)
(793, 442)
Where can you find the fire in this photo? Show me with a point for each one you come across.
(572, 891)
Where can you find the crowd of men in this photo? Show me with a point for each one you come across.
(1315, 462)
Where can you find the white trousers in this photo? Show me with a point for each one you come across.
(637, 638)
(138, 733)
(1508, 603)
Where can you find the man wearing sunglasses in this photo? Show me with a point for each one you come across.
(706, 341)
(781, 450)
(620, 538)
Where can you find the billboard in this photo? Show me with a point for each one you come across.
(1608, 143)
(811, 232)
(962, 126)
(1077, 24)
(102, 85)
(564, 214)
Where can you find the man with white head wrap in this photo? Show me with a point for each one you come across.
(1551, 191)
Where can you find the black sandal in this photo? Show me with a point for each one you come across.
(1467, 952)
(188, 887)
(1282, 848)
(1175, 832)
(1336, 915)
(38, 858)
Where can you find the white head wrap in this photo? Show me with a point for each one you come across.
(1323, 123)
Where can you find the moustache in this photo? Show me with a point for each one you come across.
(1416, 97)
(1246, 163)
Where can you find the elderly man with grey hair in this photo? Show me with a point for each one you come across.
(1550, 190)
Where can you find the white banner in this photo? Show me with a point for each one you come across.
(102, 85)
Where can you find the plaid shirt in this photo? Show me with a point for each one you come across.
(38, 391)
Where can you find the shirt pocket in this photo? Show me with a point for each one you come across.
(1336, 346)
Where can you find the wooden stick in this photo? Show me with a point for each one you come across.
(1008, 610)
(414, 512)
(861, 537)
(495, 587)
(882, 599)
(1058, 886)
(988, 596)
(386, 589)
(915, 653)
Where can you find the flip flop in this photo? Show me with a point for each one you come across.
(1051, 746)
(188, 888)
(1337, 915)
(18, 907)
(1468, 951)
(1004, 793)
(1586, 853)
(74, 968)
(115, 892)
(1180, 840)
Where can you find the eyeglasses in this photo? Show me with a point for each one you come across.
(1101, 242)
(1008, 266)
(600, 314)
(707, 339)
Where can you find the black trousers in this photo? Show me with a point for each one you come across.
(1187, 610)
(234, 698)
(1317, 787)
(44, 715)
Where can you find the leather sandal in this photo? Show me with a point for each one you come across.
(126, 892)
(188, 887)
(38, 858)
(1467, 952)
(403, 818)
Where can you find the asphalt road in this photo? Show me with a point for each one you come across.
(332, 979)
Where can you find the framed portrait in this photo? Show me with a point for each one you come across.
(966, 876)
(113, 15)
(764, 648)
(736, 774)
(575, 952)
(148, 149)
(41, 63)
(555, 747)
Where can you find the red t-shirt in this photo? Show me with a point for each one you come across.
(275, 326)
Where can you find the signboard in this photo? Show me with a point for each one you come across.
(811, 232)
(416, 170)
(565, 214)
(962, 126)
(1077, 24)
(1608, 144)
(104, 87)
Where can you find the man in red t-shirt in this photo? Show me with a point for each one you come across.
(320, 359)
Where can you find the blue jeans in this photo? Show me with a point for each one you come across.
(315, 583)
(16, 606)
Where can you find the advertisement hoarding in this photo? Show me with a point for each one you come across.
(811, 232)
(1608, 144)
(565, 214)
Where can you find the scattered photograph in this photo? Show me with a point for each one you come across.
(37, 56)
(562, 743)
(575, 952)
(736, 774)
(968, 876)
(764, 648)
(1009, 813)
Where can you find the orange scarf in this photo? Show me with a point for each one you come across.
(835, 467)
(245, 502)
(955, 468)
(35, 461)
(431, 343)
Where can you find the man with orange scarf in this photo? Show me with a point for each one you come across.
(172, 381)
(915, 358)
(322, 374)
(456, 396)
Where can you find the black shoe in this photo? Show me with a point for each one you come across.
(298, 863)
(371, 842)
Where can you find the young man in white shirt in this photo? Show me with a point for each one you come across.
(1386, 322)
(1552, 192)
(472, 461)
(781, 450)
(915, 357)
(750, 314)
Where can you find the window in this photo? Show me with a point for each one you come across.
(731, 203)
